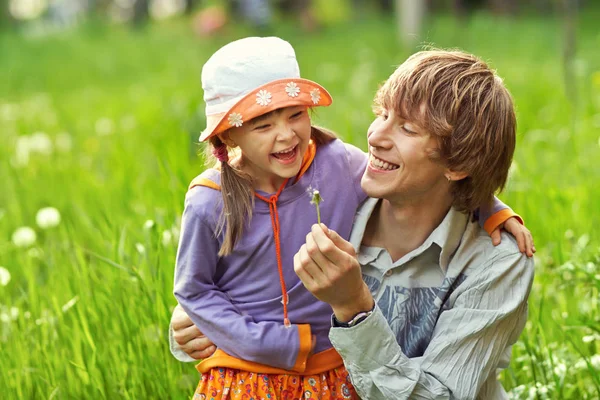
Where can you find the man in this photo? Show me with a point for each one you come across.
(425, 306)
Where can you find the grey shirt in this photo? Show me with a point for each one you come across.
(446, 314)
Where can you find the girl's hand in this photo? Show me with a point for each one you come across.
(519, 231)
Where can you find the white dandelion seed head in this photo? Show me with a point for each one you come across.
(167, 238)
(149, 224)
(140, 248)
(24, 237)
(4, 276)
(40, 142)
(47, 217)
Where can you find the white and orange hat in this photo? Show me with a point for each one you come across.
(251, 77)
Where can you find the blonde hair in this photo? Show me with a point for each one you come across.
(238, 193)
(458, 99)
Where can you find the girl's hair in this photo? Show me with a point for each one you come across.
(238, 192)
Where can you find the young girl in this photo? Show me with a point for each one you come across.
(244, 221)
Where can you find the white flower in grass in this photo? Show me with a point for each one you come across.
(167, 238)
(40, 142)
(315, 96)
(47, 217)
(292, 89)
(4, 276)
(24, 237)
(235, 119)
(149, 224)
(263, 98)
(140, 248)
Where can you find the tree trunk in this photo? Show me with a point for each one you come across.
(409, 19)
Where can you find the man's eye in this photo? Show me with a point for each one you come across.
(404, 128)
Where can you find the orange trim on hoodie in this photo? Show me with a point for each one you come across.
(500, 217)
(315, 364)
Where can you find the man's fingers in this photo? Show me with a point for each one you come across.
(182, 336)
(336, 255)
(339, 241)
(180, 319)
(199, 345)
(300, 267)
(198, 355)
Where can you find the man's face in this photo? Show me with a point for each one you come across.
(400, 167)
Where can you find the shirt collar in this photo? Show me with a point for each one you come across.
(447, 235)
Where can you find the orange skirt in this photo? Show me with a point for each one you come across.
(234, 384)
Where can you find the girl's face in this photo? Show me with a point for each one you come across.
(272, 146)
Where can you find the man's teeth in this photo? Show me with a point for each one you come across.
(376, 162)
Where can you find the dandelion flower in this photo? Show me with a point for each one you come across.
(167, 238)
(316, 199)
(4, 276)
(149, 224)
(47, 217)
(24, 237)
(140, 248)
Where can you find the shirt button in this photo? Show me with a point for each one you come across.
(389, 273)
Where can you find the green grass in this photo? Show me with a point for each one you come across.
(131, 103)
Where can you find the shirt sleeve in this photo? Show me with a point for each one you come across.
(357, 162)
(269, 343)
(468, 343)
(491, 215)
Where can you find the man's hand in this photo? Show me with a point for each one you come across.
(328, 268)
(188, 336)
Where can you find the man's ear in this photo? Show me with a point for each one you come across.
(455, 175)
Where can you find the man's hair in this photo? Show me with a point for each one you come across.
(459, 100)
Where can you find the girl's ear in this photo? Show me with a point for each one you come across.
(225, 138)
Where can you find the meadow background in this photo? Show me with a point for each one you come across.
(100, 122)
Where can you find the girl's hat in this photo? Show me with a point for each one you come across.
(251, 77)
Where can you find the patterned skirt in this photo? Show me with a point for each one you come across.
(234, 384)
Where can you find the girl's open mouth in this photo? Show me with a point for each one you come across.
(286, 156)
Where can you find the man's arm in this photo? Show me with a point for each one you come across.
(466, 346)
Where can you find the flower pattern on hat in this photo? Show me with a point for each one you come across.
(263, 97)
(235, 119)
(315, 96)
(292, 89)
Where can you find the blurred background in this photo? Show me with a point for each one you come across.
(100, 111)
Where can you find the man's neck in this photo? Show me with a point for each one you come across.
(401, 227)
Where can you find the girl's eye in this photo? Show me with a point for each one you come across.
(296, 115)
(263, 126)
